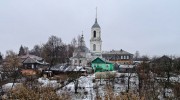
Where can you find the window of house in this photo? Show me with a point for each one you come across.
(107, 66)
(94, 33)
(127, 57)
(121, 57)
(94, 47)
(124, 57)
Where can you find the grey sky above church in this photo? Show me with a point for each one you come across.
(150, 26)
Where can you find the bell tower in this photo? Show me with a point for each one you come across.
(95, 41)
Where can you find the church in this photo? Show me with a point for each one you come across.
(82, 56)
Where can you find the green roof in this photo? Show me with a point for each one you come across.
(100, 61)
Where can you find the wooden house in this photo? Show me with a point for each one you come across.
(100, 65)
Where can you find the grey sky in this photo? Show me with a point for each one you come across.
(150, 26)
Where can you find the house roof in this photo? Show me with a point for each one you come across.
(67, 68)
(29, 59)
(163, 58)
(31, 56)
(123, 52)
(99, 60)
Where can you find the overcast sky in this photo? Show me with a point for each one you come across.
(151, 27)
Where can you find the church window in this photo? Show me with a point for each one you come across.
(94, 47)
(94, 33)
(75, 61)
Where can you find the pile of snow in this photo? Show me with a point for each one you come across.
(7, 87)
(46, 82)
(126, 66)
(79, 68)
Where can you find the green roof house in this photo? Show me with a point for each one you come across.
(100, 65)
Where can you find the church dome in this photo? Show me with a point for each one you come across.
(81, 49)
(81, 46)
(96, 25)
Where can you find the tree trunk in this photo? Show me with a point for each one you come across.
(128, 85)
(129, 82)
(76, 86)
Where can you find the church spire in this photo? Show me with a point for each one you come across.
(96, 16)
(82, 34)
(96, 25)
(82, 42)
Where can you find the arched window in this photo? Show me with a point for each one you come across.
(94, 47)
(94, 33)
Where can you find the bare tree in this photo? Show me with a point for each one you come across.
(12, 65)
(74, 42)
(23, 92)
(129, 76)
(73, 76)
(54, 51)
(37, 50)
(176, 65)
(1, 58)
(163, 68)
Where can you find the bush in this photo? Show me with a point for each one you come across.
(23, 92)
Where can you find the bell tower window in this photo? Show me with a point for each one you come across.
(94, 47)
(94, 34)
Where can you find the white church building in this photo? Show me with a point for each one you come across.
(82, 56)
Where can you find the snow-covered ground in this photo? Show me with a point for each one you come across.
(85, 86)
(87, 90)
